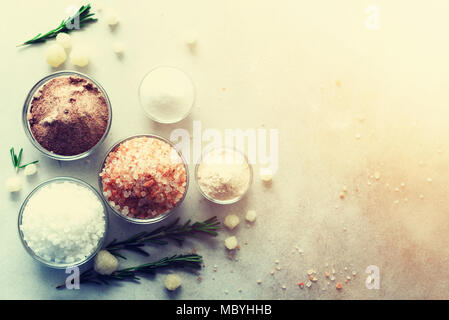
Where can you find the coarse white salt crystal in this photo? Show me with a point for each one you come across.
(63, 221)
(173, 282)
(231, 243)
(231, 221)
(64, 40)
(251, 216)
(79, 56)
(105, 263)
(55, 55)
(30, 169)
(13, 184)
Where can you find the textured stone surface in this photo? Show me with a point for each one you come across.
(348, 102)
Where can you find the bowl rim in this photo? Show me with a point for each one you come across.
(27, 104)
(100, 242)
(233, 200)
(160, 217)
(151, 116)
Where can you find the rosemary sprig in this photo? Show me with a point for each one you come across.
(192, 261)
(174, 231)
(16, 159)
(82, 16)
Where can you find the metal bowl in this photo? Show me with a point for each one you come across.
(52, 264)
(26, 124)
(161, 216)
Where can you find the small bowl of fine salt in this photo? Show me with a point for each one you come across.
(166, 94)
(63, 222)
(223, 175)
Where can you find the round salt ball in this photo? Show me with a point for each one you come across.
(231, 243)
(105, 263)
(251, 216)
(55, 55)
(231, 221)
(13, 184)
(30, 169)
(64, 39)
(112, 17)
(80, 56)
(118, 47)
(173, 282)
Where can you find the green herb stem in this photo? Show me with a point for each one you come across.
(192, 261)
(83, 16)
(16, 159)
(175, 231)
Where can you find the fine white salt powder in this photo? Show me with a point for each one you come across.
(167, 94)
(63, 222)
(224, 174)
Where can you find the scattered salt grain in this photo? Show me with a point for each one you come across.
(105, 263)
(30, 169)
(13, 184)
(251, 216)
(64, 40)
(55, 55)
(173, 282)
(231, 221)
(79, 56)
(231, 243)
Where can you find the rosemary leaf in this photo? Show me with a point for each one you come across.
(192, 261)
(174, 231)
(83, 16)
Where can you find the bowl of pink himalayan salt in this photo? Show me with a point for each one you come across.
(143, 178)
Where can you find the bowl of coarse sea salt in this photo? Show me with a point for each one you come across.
(63, 222)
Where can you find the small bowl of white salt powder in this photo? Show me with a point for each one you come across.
(223, 175)
(166, 94)
(63, 222)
